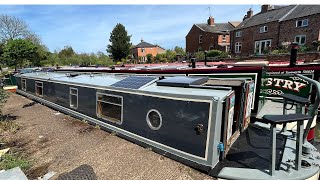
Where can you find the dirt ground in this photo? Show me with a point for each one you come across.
(57, 142)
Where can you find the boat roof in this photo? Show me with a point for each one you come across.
(126, 82)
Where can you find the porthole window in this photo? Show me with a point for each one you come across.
(154, 119)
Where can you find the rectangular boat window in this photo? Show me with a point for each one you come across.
(73, 98)
(23, 84)
(109, 107)
(39, 88)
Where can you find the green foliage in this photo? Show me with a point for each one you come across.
(304, 48)
(170, 55)
(217, 53)
(13, 160)
(161, 58)
(120, 44)
(149, 58)
(78, 59)
(199, 55)
(66, 52)
(180, 51)
(19, 51)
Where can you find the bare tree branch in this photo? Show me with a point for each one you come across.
(13, 28)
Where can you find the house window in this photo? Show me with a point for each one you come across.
(227, 48)
(263, 46)
(238, 47)
(238, 33)
(223, 38)
(23, 84)
(142, 49)
(200, 38)
(302, 23)
(109, 107)
(73, 98)
(300, 39)
(263, 29)
(39, 88)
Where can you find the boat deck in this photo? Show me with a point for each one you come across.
(252, 150)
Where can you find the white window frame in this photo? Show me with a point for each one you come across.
(106, 118)
(200, 39)
(73, 94)
(263, 29)
(238, 33)
(237, 46)
(24, 82)
(304, 23)
(36, 92)
(300, 37)
(258, 44)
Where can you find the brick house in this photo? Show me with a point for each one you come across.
(275, 26)
(208, 36)
(140, 51)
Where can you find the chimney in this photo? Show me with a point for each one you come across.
(265, 8)
(249, 13)
(244, 17)
(211, 21)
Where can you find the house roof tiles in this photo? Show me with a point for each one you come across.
(216, 28)
(280, 13)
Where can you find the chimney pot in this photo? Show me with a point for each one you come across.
(249, 13)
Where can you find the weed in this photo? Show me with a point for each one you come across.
(7, 125)
(9, 161)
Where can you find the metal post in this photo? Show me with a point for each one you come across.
(273, 149)
(299, 145)
(205, 57)
(293, 55)
(284, 112)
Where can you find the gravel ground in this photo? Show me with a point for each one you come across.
(57, 142)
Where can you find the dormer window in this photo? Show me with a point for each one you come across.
(302, 23)
(263, 29)
(200, 38)
(238, 33)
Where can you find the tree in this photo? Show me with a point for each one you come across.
(120, 43)
(13, 28)
(66, 52)
(171, 55)
(180, 51)
(19, 51)
(149, 58)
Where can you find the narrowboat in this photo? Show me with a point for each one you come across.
(270, 82)
(198, 120)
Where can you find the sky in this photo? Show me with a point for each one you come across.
(87, 28)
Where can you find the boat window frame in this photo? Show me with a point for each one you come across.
(36, 90)
(24, 83)
(71, 94)
(106, 118)
(149, 122)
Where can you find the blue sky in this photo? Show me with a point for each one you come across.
(87, 27)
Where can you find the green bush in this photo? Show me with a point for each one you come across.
(304, 48)
(217, 53)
